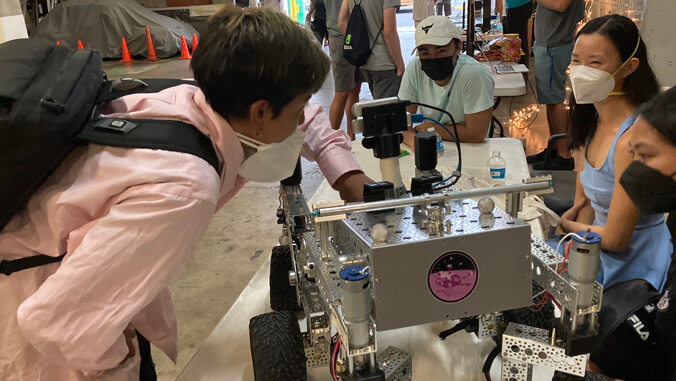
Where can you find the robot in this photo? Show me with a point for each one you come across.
(399, 260)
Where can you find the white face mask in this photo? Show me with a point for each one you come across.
(271, 162)
(593, 85)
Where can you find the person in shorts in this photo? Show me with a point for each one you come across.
(346, 77)
(555, 27)
(384, 68)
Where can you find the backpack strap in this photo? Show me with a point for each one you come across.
(377, 35)
(9, 267)
(169, 135)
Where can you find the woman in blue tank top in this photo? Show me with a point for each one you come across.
(610, 77)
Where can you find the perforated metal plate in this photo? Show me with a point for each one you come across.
(531, 345)
(513, 370)
(396, 363)
(405, 224)
(544, 252)
(491, 325)
(315, 355)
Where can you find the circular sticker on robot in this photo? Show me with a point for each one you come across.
(453, 276)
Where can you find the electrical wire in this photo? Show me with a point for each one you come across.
(334, 358)
(559, 269)
(457, 168)
(535, 95)
(486, 369)
(456, 136)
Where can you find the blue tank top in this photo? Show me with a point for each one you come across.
(649, 252)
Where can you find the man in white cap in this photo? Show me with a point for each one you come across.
(442, 77)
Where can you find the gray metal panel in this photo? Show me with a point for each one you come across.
(402, 294)
(499, 245)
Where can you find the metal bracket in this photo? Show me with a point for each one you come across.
(532, 346)
(491, 325)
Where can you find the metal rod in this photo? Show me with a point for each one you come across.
(421, 200)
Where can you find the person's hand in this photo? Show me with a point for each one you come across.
(129, 334)
(400, 69)
(409, 140)
(351, 186)
(570, 216)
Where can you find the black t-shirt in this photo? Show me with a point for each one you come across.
(665, 322)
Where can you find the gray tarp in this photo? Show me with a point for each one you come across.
(100, 24)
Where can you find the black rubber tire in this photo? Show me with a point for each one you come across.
(277, 347)
(540, 319)
(282, 294)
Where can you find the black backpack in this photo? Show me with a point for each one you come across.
(50, 98)
(357, 47)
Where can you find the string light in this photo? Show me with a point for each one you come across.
(523, 118)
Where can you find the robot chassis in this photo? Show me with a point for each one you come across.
(399, 262)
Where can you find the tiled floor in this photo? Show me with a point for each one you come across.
(241, 234)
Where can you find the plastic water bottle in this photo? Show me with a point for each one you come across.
(440, 142)
(497, 165)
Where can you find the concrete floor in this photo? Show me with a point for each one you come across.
(243, 232)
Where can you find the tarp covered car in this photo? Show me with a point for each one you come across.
(100, 24)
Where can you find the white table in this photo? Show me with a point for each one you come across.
(507, 84)
(474, 156)
(226, 355)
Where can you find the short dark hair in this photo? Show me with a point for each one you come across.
(660, 113)
(249, 54)
(640, 86)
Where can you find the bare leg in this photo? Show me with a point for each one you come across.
(352, 98)
(337, 109)
(557, 116)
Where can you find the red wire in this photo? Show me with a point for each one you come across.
(333, 360)
(566, 251)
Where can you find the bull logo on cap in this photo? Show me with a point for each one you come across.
(427, 28)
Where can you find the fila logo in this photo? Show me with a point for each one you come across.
(663, 304)
(427, 28)
(637, 324)
(649, 308)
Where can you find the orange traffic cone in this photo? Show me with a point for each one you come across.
(125, 52)
(58, 43)
(185, 54)
(194, 43)
(150, 48)
(79, 45)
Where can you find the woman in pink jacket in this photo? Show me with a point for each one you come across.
(128, 220)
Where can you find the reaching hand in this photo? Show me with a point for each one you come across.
(351, 186)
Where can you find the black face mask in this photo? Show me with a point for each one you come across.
(437, 68)
(649, 189)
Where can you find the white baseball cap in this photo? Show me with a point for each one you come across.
(435, 30)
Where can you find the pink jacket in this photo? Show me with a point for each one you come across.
(120, 216)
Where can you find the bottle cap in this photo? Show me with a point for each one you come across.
(431, 129)
(496, 153)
